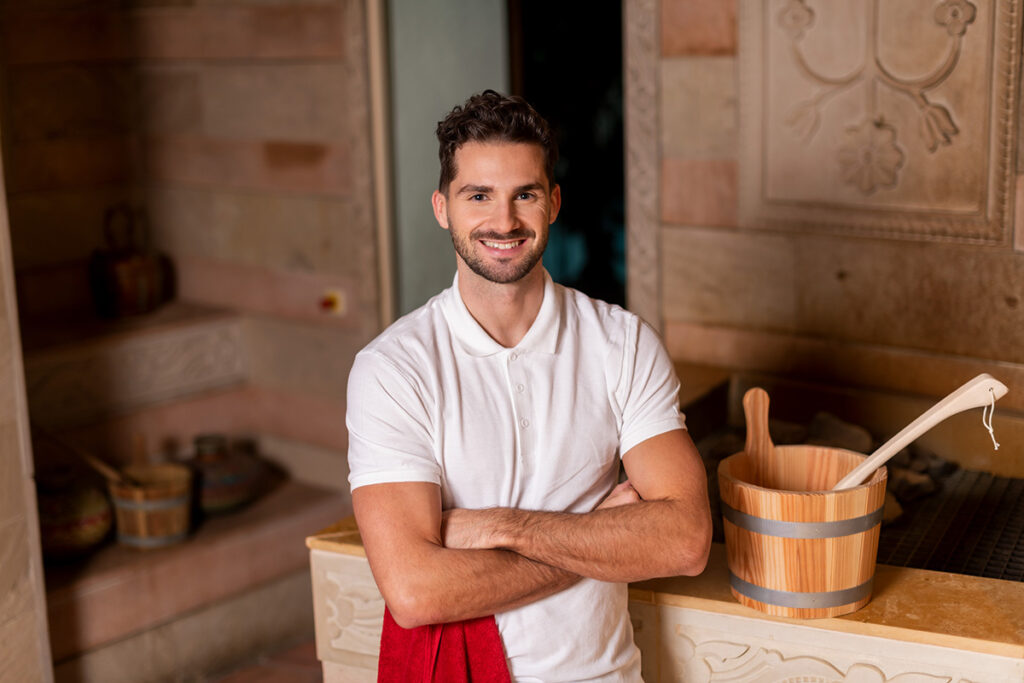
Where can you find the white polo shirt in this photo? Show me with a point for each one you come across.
(540, 426)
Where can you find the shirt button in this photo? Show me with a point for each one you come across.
(520, 388)
(524, 423)
(514, 356)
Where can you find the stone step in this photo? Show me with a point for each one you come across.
(81, 371)
(120, 591)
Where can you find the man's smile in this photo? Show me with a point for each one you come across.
(502, 245)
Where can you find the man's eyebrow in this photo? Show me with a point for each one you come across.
(529, 187)
(483, 189)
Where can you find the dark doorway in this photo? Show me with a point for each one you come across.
(566, 60)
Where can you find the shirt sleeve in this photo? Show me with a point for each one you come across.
(649, 388)
(389, 426)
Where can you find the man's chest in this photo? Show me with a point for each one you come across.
(528, 430)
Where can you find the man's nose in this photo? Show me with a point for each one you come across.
(507, 218)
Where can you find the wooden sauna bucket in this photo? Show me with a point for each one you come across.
(156, 513)
(795, 547)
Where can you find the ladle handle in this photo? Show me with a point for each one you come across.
(755, 409)
(980, 391)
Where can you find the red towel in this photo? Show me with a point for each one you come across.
(463, 651)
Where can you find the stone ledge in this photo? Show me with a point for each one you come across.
(120, 591)
(80, 371)
(968, 613)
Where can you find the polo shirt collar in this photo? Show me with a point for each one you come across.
(542, 335)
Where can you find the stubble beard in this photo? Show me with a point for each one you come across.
(499, 273)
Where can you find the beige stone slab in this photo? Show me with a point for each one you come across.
(229, 31)
(698, 27)
(309, 464)
(12, 480)
(169, 100)
(1018, 216)
(293, 294)
(348, 608)
(303, 101)
(911, 605)
(169, 428)
(729, 277)
(271, 229)
(205, 642)
(21, 657)
(939, 298)
(294, 166)
(14, 559)
(297, 357)
(58, 101)
(836, 362)
(699, 192)
(699, 117)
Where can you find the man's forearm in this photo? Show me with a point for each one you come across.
(443, 585)
(625, 543)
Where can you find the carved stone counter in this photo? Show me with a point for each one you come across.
(920, 627)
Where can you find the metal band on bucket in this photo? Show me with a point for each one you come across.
(150, 541)
(779, 598)
(159, 504)
(774, 527)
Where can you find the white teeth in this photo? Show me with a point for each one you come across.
(501, 245)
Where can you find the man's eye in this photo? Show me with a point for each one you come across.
(525, 195)
(477, 197)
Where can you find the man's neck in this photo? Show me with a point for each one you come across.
(505, 311)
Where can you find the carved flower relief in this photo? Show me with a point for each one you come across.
(795, 18)
(937, 126)
(869, 157)
(955, 15)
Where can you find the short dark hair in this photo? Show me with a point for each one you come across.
(491, 116)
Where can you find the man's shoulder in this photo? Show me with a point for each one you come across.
(413, 338)
(588, 311)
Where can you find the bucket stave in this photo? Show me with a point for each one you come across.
(796, 548)
(156, 513)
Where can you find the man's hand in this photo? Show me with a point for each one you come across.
(623, 494)
(474, 529)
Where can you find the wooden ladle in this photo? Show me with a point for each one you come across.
(758, 444)
(981, 391)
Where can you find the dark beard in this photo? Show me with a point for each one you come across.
(501, 273)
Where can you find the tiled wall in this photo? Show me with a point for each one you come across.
(908, 315)
(243, 128)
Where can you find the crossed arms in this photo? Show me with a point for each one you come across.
(434, 567)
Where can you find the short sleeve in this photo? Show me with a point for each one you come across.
(648, 390)
(389, 426)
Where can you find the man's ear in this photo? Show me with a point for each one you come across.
(440, 204)
(556, 203)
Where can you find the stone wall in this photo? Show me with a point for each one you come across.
(915, 310)
(243, 130)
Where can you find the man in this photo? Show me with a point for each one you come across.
(487, 429)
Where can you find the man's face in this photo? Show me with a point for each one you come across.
(498, 208)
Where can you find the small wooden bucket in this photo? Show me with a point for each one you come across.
(156, 513)
(796, 548)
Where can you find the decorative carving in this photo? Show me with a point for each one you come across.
(871, 158)
(719, 661)
(355, 606)
(847, 125)
(642, 172)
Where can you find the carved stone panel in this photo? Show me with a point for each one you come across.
(880, 117)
